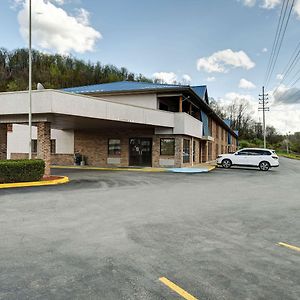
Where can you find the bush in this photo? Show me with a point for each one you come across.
(24, 170)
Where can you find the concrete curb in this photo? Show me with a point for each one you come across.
(62, 180)
(110, 169)
(150, 170)
(210, 168)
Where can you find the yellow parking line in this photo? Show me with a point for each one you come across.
(177, 289)
(289, 246)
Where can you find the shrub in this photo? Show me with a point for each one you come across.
(24, 170)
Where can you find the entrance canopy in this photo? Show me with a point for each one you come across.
(71, 111)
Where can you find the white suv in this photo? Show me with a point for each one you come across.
(250, 157)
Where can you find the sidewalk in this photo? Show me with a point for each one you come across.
(198, 168)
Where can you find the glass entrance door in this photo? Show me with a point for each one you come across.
(140, 152)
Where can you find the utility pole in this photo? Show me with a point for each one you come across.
(287, 142)
(263, 102)
(30, 85)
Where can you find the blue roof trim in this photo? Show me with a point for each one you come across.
(227, 122)
(229, 138)
(200, 90)
(204, 118)
(121, 86)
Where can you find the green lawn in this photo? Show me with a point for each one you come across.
(288, 155)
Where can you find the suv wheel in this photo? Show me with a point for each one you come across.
(226, 163)
(264, 166)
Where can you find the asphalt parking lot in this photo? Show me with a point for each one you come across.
(112, 235)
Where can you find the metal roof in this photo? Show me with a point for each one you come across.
(200, 90)
(121, 86)
(135, 86)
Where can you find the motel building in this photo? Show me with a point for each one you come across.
(118, 124)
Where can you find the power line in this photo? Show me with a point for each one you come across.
(280, 37)
(281, 40)
(293, 61)
(275, 41)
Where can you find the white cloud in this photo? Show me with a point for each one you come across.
(264, 50)
(246, 84)
(83, 16)
(211, 79)
(165, 77)
(187, 79)
(284, 112)
(60, 2)
(54, 29)
(236, 96)
(221, 61)
(249, 3)
(279, 76)
(270, 4)
(171, 78)
(283, 117)
(297, 8)
(286, 95)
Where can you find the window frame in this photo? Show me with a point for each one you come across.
(160, 147)
(113, 154)
(53, 146)
(34, 146)
(186, 158)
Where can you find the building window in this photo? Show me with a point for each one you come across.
(9, 127)
(52, 146)
(186, 151)
(209, 151)
(114, 147)
(194, 151)
(167, 146)
(163, 106)
(34, 146)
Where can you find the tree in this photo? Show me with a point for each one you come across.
(56, 71)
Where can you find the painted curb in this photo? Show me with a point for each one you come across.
(150, 170)
(62, 180)
(111, 169)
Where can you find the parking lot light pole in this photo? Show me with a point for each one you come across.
(30, 86)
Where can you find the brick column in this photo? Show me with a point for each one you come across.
(44, 144)
(3, 141)
(204, 151)
(178, 151)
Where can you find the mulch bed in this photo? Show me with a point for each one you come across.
(47, 178)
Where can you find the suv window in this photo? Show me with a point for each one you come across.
(262, 152)
(244, 152)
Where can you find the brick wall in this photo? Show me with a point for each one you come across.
(56, 159)
(94, 144)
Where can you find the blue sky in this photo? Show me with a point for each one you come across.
(218, 42)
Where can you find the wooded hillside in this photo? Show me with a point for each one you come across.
(56, 71)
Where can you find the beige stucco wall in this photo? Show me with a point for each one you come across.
(142, 100)
(17, 140)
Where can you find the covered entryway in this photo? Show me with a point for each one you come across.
(140, 152)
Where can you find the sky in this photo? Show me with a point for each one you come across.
(224, 44)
